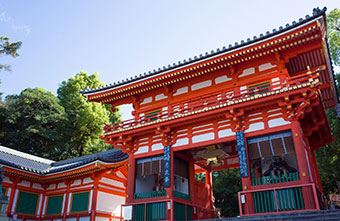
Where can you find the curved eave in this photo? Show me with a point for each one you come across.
(101, 94)
(74, 172)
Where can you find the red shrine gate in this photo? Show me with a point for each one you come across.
(259, 106)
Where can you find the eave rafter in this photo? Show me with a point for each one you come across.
(307, 89)
(274, 46)
(88, 170)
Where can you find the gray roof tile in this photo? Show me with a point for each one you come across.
(316, 12)
(38, 165)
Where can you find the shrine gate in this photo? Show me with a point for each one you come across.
(258, 105)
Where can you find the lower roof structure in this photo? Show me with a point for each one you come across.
(35, 167)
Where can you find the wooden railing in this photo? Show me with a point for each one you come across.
(288, 177)
(181, 195)
(279, 199)
(150, 194)
(213, 100)
(149, 211)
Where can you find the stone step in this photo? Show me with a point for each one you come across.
(310, 216)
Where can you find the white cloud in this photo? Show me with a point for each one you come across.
(14, 25)
(4, 17)
(21, 28)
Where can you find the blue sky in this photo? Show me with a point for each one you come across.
(120, 39)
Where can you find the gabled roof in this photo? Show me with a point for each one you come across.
(219, 51)
(42, 166)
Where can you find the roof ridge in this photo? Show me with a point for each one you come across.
(25, 155)
(316, 12)
(84, 157)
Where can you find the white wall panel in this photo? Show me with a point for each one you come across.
(255, 127)
(225, 133)
(109, 202)
(277, 122)
(203, 137)
(111, 182)
(98, 218)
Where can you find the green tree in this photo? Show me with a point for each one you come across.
(7, 48)
(333, 32)
(31, 121)
(328, 158)
(226, 185)
(85, 119)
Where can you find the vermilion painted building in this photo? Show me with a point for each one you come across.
(92, 187)
(258, 105)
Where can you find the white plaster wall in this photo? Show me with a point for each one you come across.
(255, 127)
(52, 187)
(201, 85)
(87, 180)
(247, 72)
(222, 79)
(142, 149)
(180, 142)
(147, 100)
(111, 182)
(120, 174)
(277, 122)
(157, 146)
(160, 97)
(61, 185)
(98, 218)
(266, 66)
(203, 137)
(7, 180)
(37, 186)
(182, 90)
(109, 203)
(225, 133)
(24, 183)
(76, 182)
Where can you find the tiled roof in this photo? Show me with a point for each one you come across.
(23, 161)
(316, 13)
(38, 165)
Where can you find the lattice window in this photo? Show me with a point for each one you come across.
(80, 201)
(54, 204)
(27, 203)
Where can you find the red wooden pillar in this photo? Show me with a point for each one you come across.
(318, 180)
(208, 181)
(131, 178)
(301, 154)
(192, 180)
(15, 181)
(68, 185)
(249, 206)
(96, 178)
(170, 190)
(313, 166)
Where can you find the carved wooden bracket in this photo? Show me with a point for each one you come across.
(125, 143)
(165, 133)
(296, 108)
(237, 120)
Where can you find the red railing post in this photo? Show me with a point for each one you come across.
(277, 206)
(317, 203)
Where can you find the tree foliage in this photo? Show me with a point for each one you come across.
(7, 48)
(226, 185)
(31, 121)
(85, 119)
(333, 29)
(328, 158)
(38, 122)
